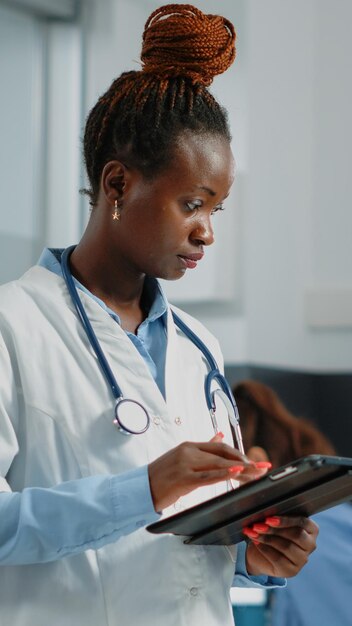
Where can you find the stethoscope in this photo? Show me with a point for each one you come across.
(131, 417)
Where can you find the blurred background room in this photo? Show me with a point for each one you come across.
(276, 288)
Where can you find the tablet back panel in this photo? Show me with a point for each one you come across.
(303, 487)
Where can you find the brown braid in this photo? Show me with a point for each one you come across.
(187, 43)
(138, 119)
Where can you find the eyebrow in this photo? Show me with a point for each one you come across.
(209, 191)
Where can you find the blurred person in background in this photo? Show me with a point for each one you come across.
(320, 595)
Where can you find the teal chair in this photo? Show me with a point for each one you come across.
(249, 607)
(250, 616)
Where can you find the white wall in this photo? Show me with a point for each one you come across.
(298, 224)
(63, 134)
(22, 43)
(40, 122)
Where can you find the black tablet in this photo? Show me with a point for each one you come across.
(304, 487)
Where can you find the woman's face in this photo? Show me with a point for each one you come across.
(166, 222)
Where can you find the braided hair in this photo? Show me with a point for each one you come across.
(142, 113)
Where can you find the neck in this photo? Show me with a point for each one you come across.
(105, 274)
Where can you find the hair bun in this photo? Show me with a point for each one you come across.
(180, 40)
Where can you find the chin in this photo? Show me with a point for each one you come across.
(174, 276)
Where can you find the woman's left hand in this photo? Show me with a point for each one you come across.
(280, 546)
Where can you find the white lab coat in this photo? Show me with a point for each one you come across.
(57, 425)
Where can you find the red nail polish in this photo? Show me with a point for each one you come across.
(250, 533)
(260, 528)
(273, 521)
(263, 465)
(256, 543)
(236, 469)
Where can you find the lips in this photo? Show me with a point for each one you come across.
(191, 260)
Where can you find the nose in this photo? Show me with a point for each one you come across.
(202, 233)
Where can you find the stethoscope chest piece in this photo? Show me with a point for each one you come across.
(131, 417)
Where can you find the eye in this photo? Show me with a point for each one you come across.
(219, 207)
(193, 205)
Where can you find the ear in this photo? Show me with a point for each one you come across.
(113, 180)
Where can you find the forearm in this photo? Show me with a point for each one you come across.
(40, 525)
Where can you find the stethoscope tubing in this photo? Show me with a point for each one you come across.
(213, 375)
(93, 340)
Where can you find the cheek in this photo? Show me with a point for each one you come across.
(166, 230)
(156, 230)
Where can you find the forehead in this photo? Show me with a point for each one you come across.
(203, 160)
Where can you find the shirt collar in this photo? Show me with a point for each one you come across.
(153, 293)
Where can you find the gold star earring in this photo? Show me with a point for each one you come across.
(116, 213)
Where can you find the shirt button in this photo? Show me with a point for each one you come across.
(156, 420)
(193, 591)
(178, 421)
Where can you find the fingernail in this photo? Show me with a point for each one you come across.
(260, 528)
(250, 533)
(263, 464)
(217, 437)
(235, 469)
(273, 521)
(256, 543)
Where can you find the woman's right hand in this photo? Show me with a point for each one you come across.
(191, 465)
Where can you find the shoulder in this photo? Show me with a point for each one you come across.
(22, 287)
(13, 293)
(21, 298)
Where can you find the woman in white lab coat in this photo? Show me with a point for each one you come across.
(77, 492)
